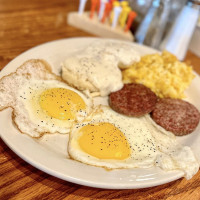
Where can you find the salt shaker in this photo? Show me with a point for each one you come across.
(178, 38)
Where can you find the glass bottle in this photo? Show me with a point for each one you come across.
(151, 29)
(140, 7)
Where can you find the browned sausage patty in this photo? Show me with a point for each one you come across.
(133, 100)
(176, 115)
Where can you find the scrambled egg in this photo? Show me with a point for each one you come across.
(164, 74)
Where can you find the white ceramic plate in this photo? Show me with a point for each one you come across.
(49, 154)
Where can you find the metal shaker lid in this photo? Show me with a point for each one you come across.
(197, 2)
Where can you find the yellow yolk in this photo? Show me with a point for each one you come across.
(104, 141)
(61, 103)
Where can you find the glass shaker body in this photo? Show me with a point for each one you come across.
(178, 38)
(151, 29)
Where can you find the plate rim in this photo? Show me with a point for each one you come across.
(177, 175)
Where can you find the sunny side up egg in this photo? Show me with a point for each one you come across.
(111, 140)
(52, 106)
(41, 101)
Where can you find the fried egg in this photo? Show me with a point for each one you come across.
(111, 140)
(43, 103)
(52, 105)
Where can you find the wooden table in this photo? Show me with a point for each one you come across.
(24, 24)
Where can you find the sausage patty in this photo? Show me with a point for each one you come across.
(176, 115)
(133, 100)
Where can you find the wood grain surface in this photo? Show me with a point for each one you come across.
(25, 24)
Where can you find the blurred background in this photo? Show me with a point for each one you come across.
(162, 24)
(168, 24)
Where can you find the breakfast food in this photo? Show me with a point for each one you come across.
(176, 115)
(163, 74)
(41, 102)
(133, 100)
(96, 68)
(111, 140)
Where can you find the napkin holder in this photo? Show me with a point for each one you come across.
(94, 26)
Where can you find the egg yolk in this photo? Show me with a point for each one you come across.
(61, 103)
(104, 141)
